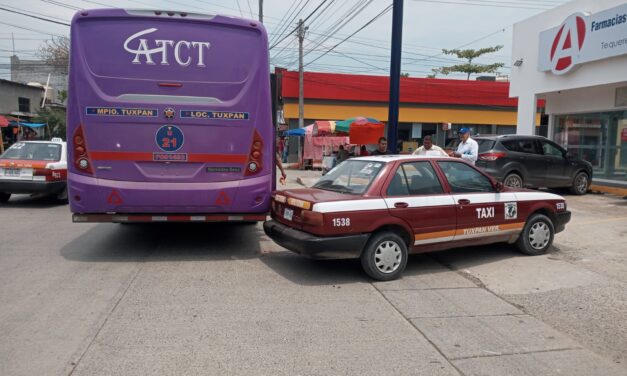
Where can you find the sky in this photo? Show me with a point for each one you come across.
(428, 27)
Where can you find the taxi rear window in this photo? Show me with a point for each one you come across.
(353, 177)
(33, 151)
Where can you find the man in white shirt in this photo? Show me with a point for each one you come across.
(468, 148)
(429, 149)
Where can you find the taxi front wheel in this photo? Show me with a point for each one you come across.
(537, 235)
(385, 256)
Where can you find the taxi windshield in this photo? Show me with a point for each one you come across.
(38, 151)
(353, 177)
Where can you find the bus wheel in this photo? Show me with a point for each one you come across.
(4, 197)
(385, 256)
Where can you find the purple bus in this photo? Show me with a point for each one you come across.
(169, 118)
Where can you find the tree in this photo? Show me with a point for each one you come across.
(469, 55)
(56, 52)
(435, 72)
(404, 74)
(55, 118)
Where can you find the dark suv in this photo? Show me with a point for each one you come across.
(532, 161)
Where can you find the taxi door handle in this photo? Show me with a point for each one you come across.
(401, 205)
(463, 201)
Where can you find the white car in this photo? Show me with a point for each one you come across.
(34, 167)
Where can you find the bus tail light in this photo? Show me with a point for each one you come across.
(81, 154)
(254, 165)
(491, 156)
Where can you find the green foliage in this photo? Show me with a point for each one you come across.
(404, 74)
(469, 68)
(55, 118)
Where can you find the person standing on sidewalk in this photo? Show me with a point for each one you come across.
(429, 149)
(468, 148)
(280, 166)
(383, 147)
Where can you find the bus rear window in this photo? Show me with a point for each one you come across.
(143, 48)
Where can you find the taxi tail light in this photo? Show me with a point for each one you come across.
(80, 154)
(254, 164)
(47, 174)
(491, 156)
(312, 218)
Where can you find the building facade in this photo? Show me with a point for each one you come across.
(575, 58)
(428, 106)
(19, 100)
(27, 71)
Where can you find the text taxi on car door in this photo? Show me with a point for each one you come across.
(381, 208)
(34, 167)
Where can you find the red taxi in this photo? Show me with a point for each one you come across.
(34, 167)
(381, 208)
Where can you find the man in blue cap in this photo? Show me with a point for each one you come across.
(468, 149)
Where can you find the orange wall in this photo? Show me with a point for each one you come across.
(406, 115)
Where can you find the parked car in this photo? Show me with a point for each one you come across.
(532, 161)
(34, 167)
(380, 208)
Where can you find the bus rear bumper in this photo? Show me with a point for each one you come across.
(145, 218)
(89, 195)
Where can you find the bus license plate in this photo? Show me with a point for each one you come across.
(288, 214)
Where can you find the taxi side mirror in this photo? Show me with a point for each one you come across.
(499, 186)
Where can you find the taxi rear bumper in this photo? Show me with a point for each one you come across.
(31, 186)
(317, 247)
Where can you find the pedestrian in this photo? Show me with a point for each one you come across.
(468, 149)
(280, 166)
(382, 148)
(429, 149)
(285, 149)
(363, 151)
(342, 154)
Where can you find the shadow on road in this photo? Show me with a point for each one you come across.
(304, 271)
(32, 202)
(164, 242)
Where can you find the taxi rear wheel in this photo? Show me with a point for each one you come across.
(537, 235)
(385, 256)
(4, 197)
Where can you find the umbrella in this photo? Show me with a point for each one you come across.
(3, 121)
(295, 132)
(361, 130)
(323, 128)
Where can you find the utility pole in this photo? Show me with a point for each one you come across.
(261, 11)
(395, 74)
(301, 74)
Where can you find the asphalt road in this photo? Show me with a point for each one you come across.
(105, 299)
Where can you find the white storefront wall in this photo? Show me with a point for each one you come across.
(588, 86)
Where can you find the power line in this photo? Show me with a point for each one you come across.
(384, 11)
(498, 4)
(32, 16)
(29, 29)
(60, 4)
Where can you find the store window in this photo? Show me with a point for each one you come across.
(599, 138)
